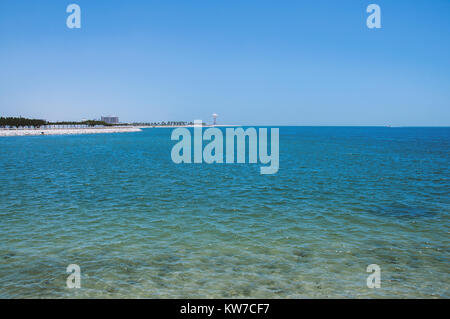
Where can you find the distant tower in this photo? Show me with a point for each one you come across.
(214, 118)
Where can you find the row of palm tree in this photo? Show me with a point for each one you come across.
(87, 122)
(163, 123)
(25, 122)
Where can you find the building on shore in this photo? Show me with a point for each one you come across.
(110, 119)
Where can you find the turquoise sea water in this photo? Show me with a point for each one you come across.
(139, 225)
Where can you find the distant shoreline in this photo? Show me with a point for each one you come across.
(68, 131)
(89, 130)
(191, 125)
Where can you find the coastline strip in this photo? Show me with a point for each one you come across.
(68, 131)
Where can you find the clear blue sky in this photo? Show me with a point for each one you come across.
(252, 62)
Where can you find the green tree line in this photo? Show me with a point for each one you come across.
(21, 121)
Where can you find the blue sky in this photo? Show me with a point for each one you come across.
(252, 62)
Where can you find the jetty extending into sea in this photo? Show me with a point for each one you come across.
(67, 131)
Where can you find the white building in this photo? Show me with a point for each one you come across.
(110, 119)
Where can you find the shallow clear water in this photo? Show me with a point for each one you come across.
(139, 225)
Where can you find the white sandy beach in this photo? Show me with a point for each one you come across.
(68, 131)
